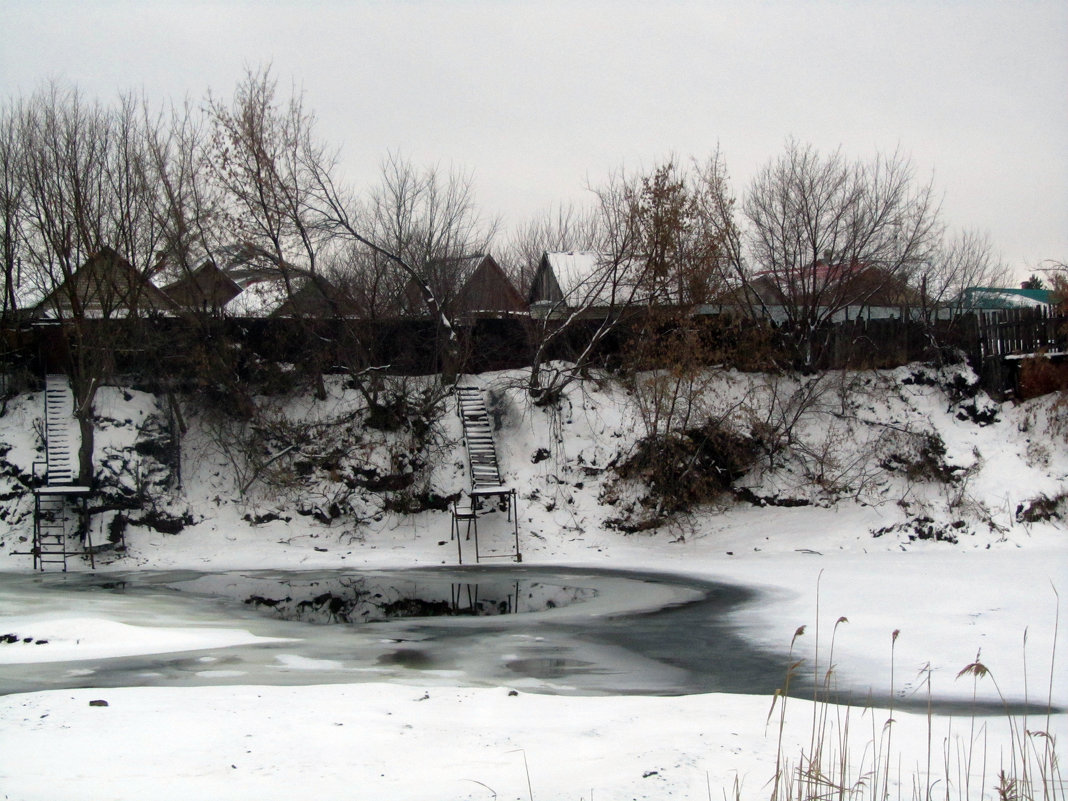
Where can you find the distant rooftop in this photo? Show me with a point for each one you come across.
(985, 297)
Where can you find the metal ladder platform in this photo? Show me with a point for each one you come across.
(60, 510)
(59, 514)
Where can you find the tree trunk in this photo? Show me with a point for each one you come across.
(85, 446)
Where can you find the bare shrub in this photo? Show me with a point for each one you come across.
(1040, 375)
(397, 403)
(776, 411)
(682, 469)
(690, 453)
(837, 470)
(666, 370)
(1042, 508)
(919, 457)
(352, 462)
(824, 433)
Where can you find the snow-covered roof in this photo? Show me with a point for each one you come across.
(982, 297)
(576, 270)
(588, 278)
(259, 296)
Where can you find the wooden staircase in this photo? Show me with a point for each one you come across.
(60, 510)
(61, 433)
(484, 468)
(481, 451)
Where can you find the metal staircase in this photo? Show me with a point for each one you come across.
(55, 520)
(484, 468)
(60, 510)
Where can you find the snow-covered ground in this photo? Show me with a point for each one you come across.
(915, 610)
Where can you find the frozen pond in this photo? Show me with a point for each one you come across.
(549, 630)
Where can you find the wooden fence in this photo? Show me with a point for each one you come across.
(989, 339)
(1008, 332)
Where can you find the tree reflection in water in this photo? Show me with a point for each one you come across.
(361, 599)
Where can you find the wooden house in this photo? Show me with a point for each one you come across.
(590, 284)
(253, 283)
(105, 286)
(207, 289)
(837, 291)
(313, 296)
(467, 287)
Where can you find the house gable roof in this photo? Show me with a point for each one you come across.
(466, 285)
(486, 288)
(856, 284)
(314, 296)
(587, 279)
(106, 285)
(207, 287)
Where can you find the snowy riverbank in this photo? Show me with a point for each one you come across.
(406, 740)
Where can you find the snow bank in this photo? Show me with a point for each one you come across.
(375, 741)
(812, 564)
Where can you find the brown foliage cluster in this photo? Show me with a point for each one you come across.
(687, 468)
(1040, 375)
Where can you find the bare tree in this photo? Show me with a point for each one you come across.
(277, 180)
(345, 216)
(413, 229)
(963, 260)
(559, 229)
(654, 251)
(11, 199)
(599, 286)
(1057, 273)
(266, 160)
(348, 218)
(284, 197)
(190, 209)
(419, 234)
(86, 193)
(825, 233)
(12, 238)
(191, 213)
(431, 221)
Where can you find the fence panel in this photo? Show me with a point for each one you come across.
(1008, 332)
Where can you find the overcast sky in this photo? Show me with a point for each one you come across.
(540, 99)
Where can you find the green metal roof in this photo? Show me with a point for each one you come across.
(985, 297)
